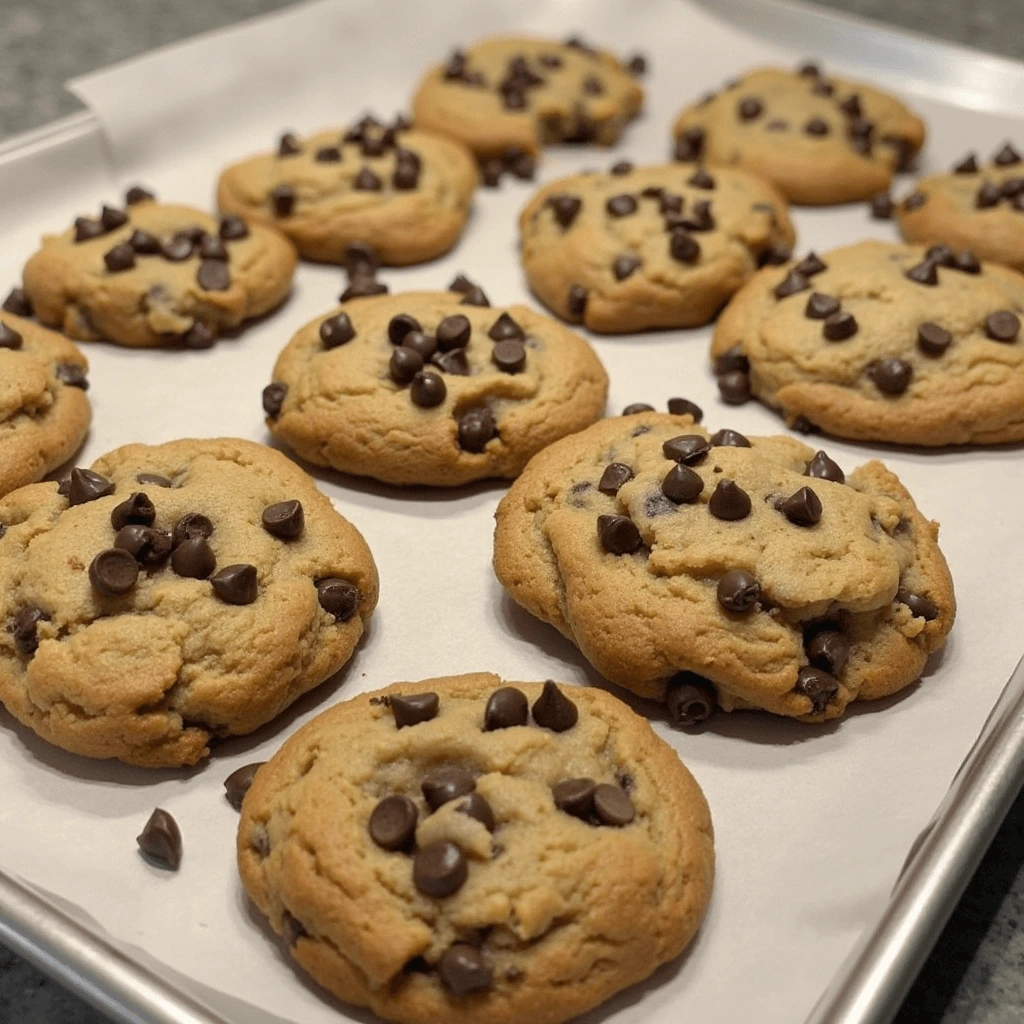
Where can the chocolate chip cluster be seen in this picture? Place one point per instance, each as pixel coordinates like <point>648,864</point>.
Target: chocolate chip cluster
<point>990,193</point>
<point>70,374</point>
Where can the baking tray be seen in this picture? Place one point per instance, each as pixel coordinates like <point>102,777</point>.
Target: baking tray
<point>849,808</point>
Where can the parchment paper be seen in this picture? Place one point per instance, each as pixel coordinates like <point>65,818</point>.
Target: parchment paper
<point>812,823</point>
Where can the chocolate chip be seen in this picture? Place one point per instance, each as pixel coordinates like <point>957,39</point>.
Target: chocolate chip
<point>425,345</point>
<point>624,266</point>
<point>273,399</point>
<point>637,64</point>
<point>621,206</point>
<point>9,337</point>
<point>476,428</point>
<point>819,306</point>
<point>282,199</point>
<point>691,700</point>
<point>840,326</point>
<point>85,485</point>
<point>111,218</point>
<point>506,707</point>
<point>235,584</point>
<point>932,339</point>
<point>193,559</point>
<point>198,336</point>
<point>192,526</point>
<point>614,476</point>
<point>701,179</point>
<point>621,168</point>
<point>373,145</point>
<point>473,294</point>
<point>553,710</point>
<point>509,356</point>
<point>775,255</point>
<point>1002,325</point>
<point>613,806</point>
<point>153,478</point>
<point>439,869</point>
<point>684,247</point>
<point>924,272</point>
<point>505,327</point>
<point>239,782</point>
<point>577,301</point>
<point>636,408</point>
<point>689,145</point>
<point>137,509</point>
<point>24,628</point>
<point>367,181</point>
<point>738,591</point>
<point>87,228</point>
<point>919,605</point>
<point>463,969</point>
<point>288,145</point>
<point>829,650</point>
<point>575,797</point>
<point>212,248</point>
<point>72,375</point>
<point>404,364</point>
<point>446,784</point>
<point>399,326</point>
<point>967,262</point>
<point>328,155</point>
<point>618,534</point>
<point>137,194</point>
<point>428,389</point>
<point>393,823</point>
<point>686,448</point>
<point>670,202</point>
<point>160,840</point>
<point>817,685</point>
<point>113,572</point>
<point>816,126</point>
<point>121,257</point>
<point>146,545</point>
<point>729,439</point>
<point>732,359</point>
<point>968,165</point>
<point>455,362</point>
<point>914,201</point>
<point>232,228</point>
<point>213,276</point>
<point>522,166</point>
<point>808,69</point>
<point>734,387</point>
<point>792,283</point>
<point>361,284</point>
<point>143,243</point>
<point>891,375</point>
<point>18,302</point>
<point>821,467</point>
<point>413,708</point>
<point>802,508</point>
<point>988,195</point>
<point>881,206</point>
<point>337,330</point>
<point>729,501</point>
<point>565,208</point>
<point>593,86</point>
<point>338,597</point>
<point>684,407</point>
<point>1007,156</point>
<point>682,485</point>
<point>292,929</point>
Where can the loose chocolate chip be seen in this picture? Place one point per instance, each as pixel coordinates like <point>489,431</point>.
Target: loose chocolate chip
<point>121,257</point>
<point>137,509</point>
<point>734,387</point>
<point>881,206</point>
<point>146,545</point>
<point>731,359</point>
<point>613,806</point>
<point>614,476</point>
<point>618,534</point>
<point>336,330</point>
<point>288,145</point>
<point>439,869</point>
<point>423,344</point>
<point>338,597</point>
<point>282,199</point>
<point>455,362</point>
<point>367,181</point>
<point>506,707</point>
<point>968,165</point>
<point>193,559</point>
<point>160,840</point>
<point>819,306</point>
<point>914,201</point>
<point>137,194</point>
<point>624,266</point>
<point>967,262</point>
<point>919,605</point>
<point>509,356</point>
<point>1007,156</point>
<point>235,584</point>
<point>18,302</point>
<point>932,339</point>
<point>113,572</point>
<point>691,700</point>
<point>817,685</point>
<point>1002,325</point>
<point>86,486</point>
<point>684,247</point>
<point>621,206</point>
<point>828,649</point>
<point>153,478</point>
<point>232,228</point>
<point>738,591</point>
<point>463,970</point>
<point>988,195</point>
<point>476,429</point>
<point>404,364</point>
<point>9,337</point>
<point>925,273</point>
<point>689,449</point>
<point>553,710</point>
<point>577,301</point>
<point>446,784</point>
<point>802,508</point>
<point>213,276</point>
<point>792,283</point>
<point>575,797</point>
<point>238,783</point>
<point>393,823</point>
<point>636,408</point>
<point>817,126</point>
<point>211,247</point>
<point>891,375</point>
<point>328,155</point>
<point>701,179</point>
<point>505,327</point>
<point>729,439</point>
<point>428,389</point>
<point>454,331</point>
<point>840,326</point>
<point>684,407</point>
<point>73,375</point>
<point>273,399</point>
<point>682,484</point>
<point>24,628</point>
<point>292,929</point>
<point>729,501</point>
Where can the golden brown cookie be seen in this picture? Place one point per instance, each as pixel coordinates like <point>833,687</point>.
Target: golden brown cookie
<point>691,568</point>
<point>510,95</point>
<point>154,274</point>
<point>976,206</point>
<point>430,388</point>
<point>407,193</point>
<point>641,247</point>
<point>44,412</point>
<point>818,139</point>
<point>882,342</point>
<point>477,852</point>
<point>173,594</point>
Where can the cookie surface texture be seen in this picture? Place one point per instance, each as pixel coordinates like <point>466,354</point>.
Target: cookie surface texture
<point>406,193</point>
<point>887,342</point>
<point>555,896</point>
<point>173,594</point>
<point>818,139</point>
<point>44,410</point>
<point>644,247</point>
<point>712,558</point>
<point>156,274</point>
<point>421,388</point>
<point>519,93</point>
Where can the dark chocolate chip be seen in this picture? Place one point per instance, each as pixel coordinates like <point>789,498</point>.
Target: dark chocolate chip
<point>635,408</point>
<point>738,591</point>
<point>149,547</point>
<point>821,467</point>
<point>731,359</point>
<point>121,257</point>
<point>235,584</point>
<point>505,327</point>
<point>522,166</point>
<point>143,243</point>
<point>399,326</point>
<point>1012,187</point>
<point>577,301</point>
<point>817,126</point>
<point>792,283</point>
<point>988,195</point>
<point>336,330</point>
<point>919,605</point>
<point>810,265</point>
<point>137,194</point>
<point>446,784</point>
<point>198,336</point>
<point>461,284</point>
<point>192,526</point>
<point>689,145</point>
<point>413,708</point>
<point>18,302</point>
<point>729,439</point>
<point>213,276</point>
<point>968,165</point>
<point>404,364</point>
<point>328,155</point>
<point>476,429</point>
<point>967,262</point>
<point>273,399</point>
<point>684,247</point>
<point>613,477</point>
<point>238,783</point>
<point>670,202</point>
<point>575,797</point>
<point>393,823</point>
<point>233,228</point>
<point>621,168</point>
<point>802,508</point>
<point>455,362</point>
<point>891,375</point>
<point>24,628</point>
<point>464,969</point>
<point>684,407</point>
<point>734,387</point>
<point>621,206</point>
<point>565,208</point>
<point>932,339</point>
<point>851,105</point>
<point>137,509</point>
<point>439,869</point>
<point>941,255</point>
<point>612,805</point>
<point>624,266</point>
<point>193,559</point>
<point>775,255</point>
<point>819,306</point>
<point>506,707</point>
<point>160,840</point>
<point>1007,156</point>
<point>373,145</point>
<point>881,206</point>
<point>212,248</point>
<point>682,484</point>
<point>749,108</point>
<point>729,501</point>
<point>282,199</point>
<point>553,710</point>
<point>86,486</point>
<point>618,534</point>
<point>829,650</point>
<point>701,179</point>
<point>73,375</point>
<point>292,929</point>
<point>361,284</point>
<point>338,597</point>
<point>840,326</point>
<point>424,345</point>
<point>509,356</point>
<point>817,685</point>
<point>288,145</point>
<point>176,248</point>
<point>113,572</point>
<point>112,218</point>
<point>9,337</point>
<point>686,448</point>
<point>691,699</point>
<point>428,389</point>
<point>1002,325</point>
<point>914,201</point>
<point>87,228</point>
<point>367,181</point>
<point>593,86</point>
<point>924,272</point>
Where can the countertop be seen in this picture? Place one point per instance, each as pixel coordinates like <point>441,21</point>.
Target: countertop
<point>975,974</point>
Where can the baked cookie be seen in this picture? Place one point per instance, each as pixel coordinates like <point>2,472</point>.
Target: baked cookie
<point>818,139</point>
<point>406,193</point>
<point>44,412</point>
<point>510,95</point>
<point>976,206</point>
<point>428,388</point>
<point>154,274</point>
<point>644,247</point>
<point>882,342</point>
<point>173,594</point>
<point>690,566</point>
<point>478,852</point>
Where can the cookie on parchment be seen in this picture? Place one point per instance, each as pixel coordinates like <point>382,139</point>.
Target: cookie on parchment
<point>155,274</point>
<point>882,342</point>
<point>432,387</point>
<point>510,95</point>
<point>642,247</point>
<point>695,567</point>
<point>976,206</point>
<point>44,411</point>
<point>469,850</point>
<point>173,594</point>
<point>407,193</point>
<point>817,138</point>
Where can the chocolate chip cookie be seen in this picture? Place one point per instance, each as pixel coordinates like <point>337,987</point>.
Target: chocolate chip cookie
<point>407,193</point>
<point>432,387</point>
<point>882,342</point>
<point>641,247</point>
<point>698,568</point>
<point>507,96</point>
<point>817,138</point>
<point>976,206</point>
<point>154,274</point>
<point>173,594</point>
<point>469,850</point>
<point>44,411</point>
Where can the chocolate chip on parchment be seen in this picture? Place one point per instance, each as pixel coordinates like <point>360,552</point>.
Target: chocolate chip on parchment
<point>967,165</point>
<point>817,685</point>
<point>73,375</point>
<point>239,782</point>
<point>734,387</point>
<point>808,69</point>
<point>729,439</point>
<point>121,257</point>
<point>614,476</point>
<point>282,199</point>
<point>925,273</point>
<point>85,485</point>
<point>637,64</point>
<point>891,375</point>
<point>624,266</point>
<point>463,969</point>
<point>919,605</point>
<point>829,650</point>
<point>235,584</point>
<point>233,228</point>
<point>881,206</point>
<point>612,805</point>
<point>691,699</point>
<point>506,707</point>
<point>338,597</point>
<point>932,339</point>
<point>621,168</point>
<point>273,399</point>
<point>137,194</point>
<point>439,869</point>
<point>18,302</point>
<point>428,389</point>
<point>113,572</point>
<point>193,559</point>
<point>476,428</point>
<point>137,509</point>
<point>9,337</point>
<point>802,508</point>
<point>738,591</point>
<point>393,823</point>
<point>820,306</point>
<point>160,840</point>
<point>839,326</point>
<point>682,485</point>
<point>553,710</point>
<point>1002,325</point>
<point>148,546</point>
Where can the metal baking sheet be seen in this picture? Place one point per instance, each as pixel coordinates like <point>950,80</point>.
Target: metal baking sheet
<point>814,824</point>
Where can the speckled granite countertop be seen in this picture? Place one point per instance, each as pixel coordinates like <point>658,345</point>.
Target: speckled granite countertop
<point>976,973</point>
